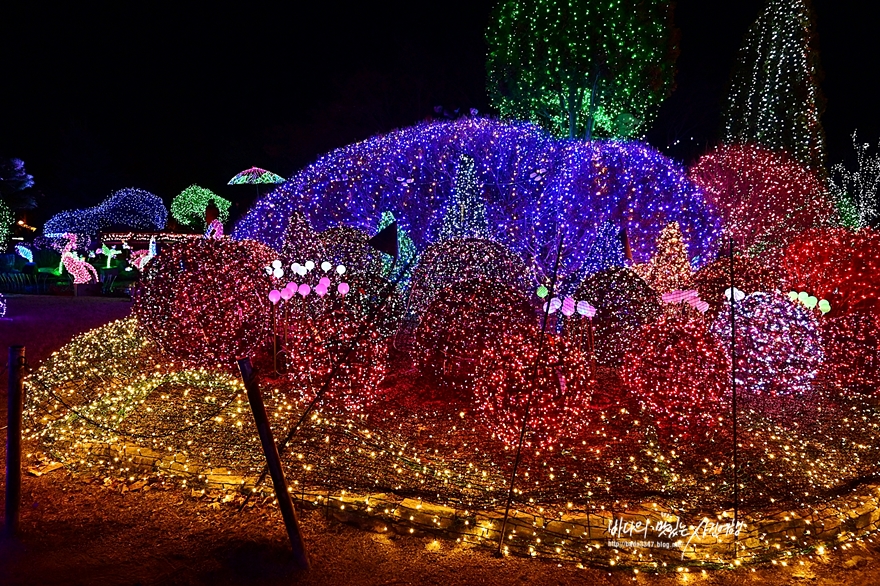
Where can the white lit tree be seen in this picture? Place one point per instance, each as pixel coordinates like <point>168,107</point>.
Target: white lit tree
<point>855,192</point>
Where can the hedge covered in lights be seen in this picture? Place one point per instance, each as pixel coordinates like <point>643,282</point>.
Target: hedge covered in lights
<point>130,208</point>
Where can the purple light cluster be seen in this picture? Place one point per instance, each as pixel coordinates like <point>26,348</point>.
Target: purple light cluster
<point>132,208</point>
<point>535,188</point>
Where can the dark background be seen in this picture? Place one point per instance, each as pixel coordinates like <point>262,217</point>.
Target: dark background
<point>160,96</point>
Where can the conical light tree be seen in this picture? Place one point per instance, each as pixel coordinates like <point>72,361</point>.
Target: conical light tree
<point>775,100</point>
<point>465,215</point>
<point>669,269</point>
<point>582,67</point>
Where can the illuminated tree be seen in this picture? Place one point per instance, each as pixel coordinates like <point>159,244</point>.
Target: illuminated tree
<point>188,208</point>
<point>678,372</point>
<point>6,219</point>
<point>750,275</point>
<point>465,215</point>
<point>301,243</point>
<point>606,252</point>
<point>14,185</point>
<point>669,269</point>
<point>623,302</point>
<point>855,192</point>
<point>838,265</point>
<point>852,353</point>
<point>775,100</point>
<point>460,325</point>
<point>583,67</point>
<point>206,301</point>
<point>553,382</point>
<point>763,198</point>
<point>461,260</point>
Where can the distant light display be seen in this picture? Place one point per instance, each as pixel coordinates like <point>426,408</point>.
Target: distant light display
<point>205,301</point>
<point>189,206</point>
<point>778,344</point>
<point>255,176</point>
<point>582,186</point>
<point>131,208</point>
<point>838,265</point>
<point>763,197</point>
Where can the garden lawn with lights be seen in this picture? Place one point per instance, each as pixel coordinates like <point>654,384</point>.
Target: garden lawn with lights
<point>647,356</point>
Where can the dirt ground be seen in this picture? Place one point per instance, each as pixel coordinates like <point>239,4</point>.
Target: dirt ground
<point>81,529</point>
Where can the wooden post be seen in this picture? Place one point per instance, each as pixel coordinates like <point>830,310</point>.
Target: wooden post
<point>13,440</point>
<point>285,503</point>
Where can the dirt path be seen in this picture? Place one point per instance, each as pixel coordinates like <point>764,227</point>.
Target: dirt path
<point>88,530</point>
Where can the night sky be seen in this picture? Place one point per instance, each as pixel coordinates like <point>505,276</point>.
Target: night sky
<point>154,96</point>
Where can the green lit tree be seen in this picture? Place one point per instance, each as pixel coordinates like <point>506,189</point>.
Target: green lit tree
<point>465,215</point>
<point>582,67</point>
<point>188,208</point>
<point>775,100</point>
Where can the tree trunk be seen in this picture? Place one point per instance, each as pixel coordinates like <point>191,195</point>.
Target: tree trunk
<point>592,111</point>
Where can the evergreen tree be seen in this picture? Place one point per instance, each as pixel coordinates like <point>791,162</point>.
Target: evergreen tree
<point>465,215</point>
<point>775,100</point>
<point>582,67</point>
<point>605,252</point>
<point>669,269</point>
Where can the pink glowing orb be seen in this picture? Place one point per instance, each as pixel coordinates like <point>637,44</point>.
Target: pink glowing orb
<point>320,289</point>
<point>304,290</point>
<point>286,294</point>
<point>292,286</point>
<point>274,296</point>
<point>325,282</point>
<point>343,288</point>
<point>585,309</point>
<point>568,306</point>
